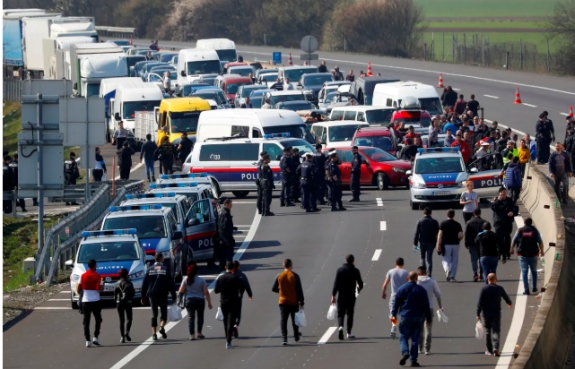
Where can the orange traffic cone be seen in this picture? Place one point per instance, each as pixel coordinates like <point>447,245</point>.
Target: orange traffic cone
<point>131,41</point>
<point>440,84</point>
<point>517,96</point>
<point>369,71</point>
<point>571,111</point>
<point>290,61</point>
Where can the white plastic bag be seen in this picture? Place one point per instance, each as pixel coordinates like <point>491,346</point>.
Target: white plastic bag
<point>479,331</point>
<point>441,316</point>
<point>174,314</point>
<point>104,177</point>
<point>332,312</point>
<point>300,319</point>
<point>220,315</point>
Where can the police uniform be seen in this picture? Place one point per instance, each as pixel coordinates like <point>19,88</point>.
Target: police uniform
<point>158,283</point>
<point>14,166</point>
<point>318,161</point>
<point>267,184</point>
<point>8,185</point>
<point>286,175</point>
<point>295,190</point>
<point>306,170</point>
<point>544,132</point>
<point>336,194</point>
<point>259,184</point>
<point>355,176</point>
<point>328,181</point>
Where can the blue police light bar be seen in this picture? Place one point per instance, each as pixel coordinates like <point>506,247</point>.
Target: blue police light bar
<point>176,176</point>
<point>134,207</point>
<point>438,149</point>
<point>172,185</point>
<point>273,135</point>
<point>113,232</point>
<point>151,195</point>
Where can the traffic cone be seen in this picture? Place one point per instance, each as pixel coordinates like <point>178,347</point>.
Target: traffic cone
<point>440,84</point>
<point>517,96</point>
<point>131,41</point>
<point>571,111</point>
<point>369,71</point>
<point>290,61</point>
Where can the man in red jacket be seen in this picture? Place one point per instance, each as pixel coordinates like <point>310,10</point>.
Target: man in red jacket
<point>463,147</point>
<point>89,287</point>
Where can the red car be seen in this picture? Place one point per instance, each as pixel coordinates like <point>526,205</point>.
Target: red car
<point>419,119</point>
<point>380,137</point>
<point>231,83</point>
<point>380,169</point>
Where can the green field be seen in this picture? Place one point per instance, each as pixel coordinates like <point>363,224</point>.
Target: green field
<point>486,8</point>
<point>538,39</point>
<point>456,23</point>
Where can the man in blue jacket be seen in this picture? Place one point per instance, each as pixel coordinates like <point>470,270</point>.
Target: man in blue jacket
<point>413,304</point>
<point>513,178</point>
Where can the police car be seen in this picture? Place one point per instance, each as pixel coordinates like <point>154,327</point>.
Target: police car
<point>232,162</point>
<point>194,191</point>
<point>439,175</point>
<point>113,250</point>
<point>199,178</point>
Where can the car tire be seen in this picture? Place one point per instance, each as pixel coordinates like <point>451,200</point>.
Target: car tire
<point>240,194</point>
<point>218,190</point>
<point>382,181</point>
<point>414,206</point>
<point>74,304</point>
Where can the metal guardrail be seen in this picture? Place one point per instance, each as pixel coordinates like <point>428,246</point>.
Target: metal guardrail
<point>59,245</point>
<point>77,192</point>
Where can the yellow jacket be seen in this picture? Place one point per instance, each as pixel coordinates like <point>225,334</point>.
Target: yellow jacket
<point>524,155</point>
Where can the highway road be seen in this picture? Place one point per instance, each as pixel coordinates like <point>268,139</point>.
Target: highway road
<point>375,231</point>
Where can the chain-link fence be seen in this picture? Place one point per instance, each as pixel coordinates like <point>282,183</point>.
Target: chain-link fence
<point>12,89</point>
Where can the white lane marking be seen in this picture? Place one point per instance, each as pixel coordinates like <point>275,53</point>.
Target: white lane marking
<point>58,299</point>
<point>326,335</point>
<point>491,96</point>
<point>383,225</point>
<point>51,308</point>
<point>564,114</point>
<point>530,105</point>
<point>379,201</point>
<point>144,345</point>
<point>519,222</point>
<point>376,255</point>
<point>244,202</point>
<point>138,166</point>
<point>65,291</point>
<point>455,89</point>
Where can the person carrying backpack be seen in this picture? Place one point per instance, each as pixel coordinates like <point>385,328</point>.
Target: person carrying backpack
<point>123,295</point>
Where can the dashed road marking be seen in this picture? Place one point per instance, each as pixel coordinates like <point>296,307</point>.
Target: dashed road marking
<point>530,105</point>
<point>59,300</point>
<point>491,96</point>
<point>383,225</point>
<point>51,308</point>
<point>564,114</point>
<point>379,201</point>
<point>376,255</point>
<point>326,335</point>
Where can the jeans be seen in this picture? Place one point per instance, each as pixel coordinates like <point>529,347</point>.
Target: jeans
<point>491,329</point>
<point>426,260</point>
<point>425,339</point>
<point>410,329</point>
<point>229,309</point>
<point>489,265</point>
<point>162,304</point>
<point>450,259</point>
<point>287,311</point>
<point>345,306</point>
<point>90,308</point>
<point>474,254</point>
<point>149,168</point>
<point>526,264</point>
<point>194,305</point>
<point>127,309</point>
<point>562,178</point>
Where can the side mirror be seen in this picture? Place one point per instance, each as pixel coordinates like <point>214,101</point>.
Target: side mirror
<point>194,222</point>
<point>474,170</point>
<point>69,263</point>
<point>183,73</point>
<point>177,235</point>
<point>117,116</point>
<point>408,173</point>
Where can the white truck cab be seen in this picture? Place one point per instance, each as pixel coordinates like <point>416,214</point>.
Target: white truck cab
<point>131,98</point>
<point>193,63</point>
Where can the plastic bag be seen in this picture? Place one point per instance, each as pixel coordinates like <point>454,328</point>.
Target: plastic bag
<point>300,320</point>
<point>220,315</point>
<point>441,316</point>
<point>479,331</point>
<point>332,312</point>
<point>104,177</point>
<point>174,314</point>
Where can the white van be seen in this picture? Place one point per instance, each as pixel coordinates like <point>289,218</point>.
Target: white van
<point>131,98</point>
<point>225,48</point>
<point>108,88</point>
<point>193,63</point>
<point>250,123</point>
<point>374,115</point>
<point>336,134</point>
<point>391,94</point>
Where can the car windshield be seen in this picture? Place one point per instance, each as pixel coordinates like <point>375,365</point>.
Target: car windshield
<point>227,55</point>
<point>256,100</point>
<point>108,251</point>
<point>203,67</point>
<point>218,96</point>
<point>270,77</point>
<point>378,155</point>
<point>380,116</point>
<point>295,74</point>
<point>279,98</point>
<point>439,165</point>
<point>432,105</point>
<point>329,97</point>
<point>245,71</point>
<point>421,121</point>
<point>304,105</point>
<point>381,142</point>
<point>93,89</point>
<point>149,66</point>
<point>301,145</point>
<point>246,91</point>
<point>233,87</point>
<point>131,107</point>
<point>132,60</point>
<point>165,58</point>
<point>150,226</point>
<point>342,133</point>
<point>184,121</point>
<point>295,131</point>
<point>317,80</point>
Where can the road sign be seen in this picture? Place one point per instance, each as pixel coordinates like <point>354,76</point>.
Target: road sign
<point>73,114</point>
<point>308,57</point>
<point>59,87</point>
<point>277,57</point>
<point>309,44</point>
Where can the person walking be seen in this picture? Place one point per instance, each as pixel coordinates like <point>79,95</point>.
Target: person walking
<point>490,249</point>
<point>89,288</point>
<point>259,201</point>
<point>99,167</point>
<point>194,291</point>
<point>355,174</point>
<point>7,184</point>
<point>267,184</point>
<point>305,171</point>
<point>504,212</point>
<point>544,135</point>
<point>286,175</point>
<point>489,305</point>
<point>125,161</point>
<point>226,230</point>
<point>412,303</point>
<point>397,277</point>
<point>319,160</point>
<point>347,280</point>
<point>470,201</point>
<point>245,288</point>
<point>514,178</point>
<point>158,283</point>
<point>472,228</point>
<point>124,295</point>
<point>426,232</point>
<point>335,177</point>
<point>147,154</point>
<point>165,154</point>
<point>560,169</point>
<point>529,246</point>
<point>71,173</point>
<point>229,286</point>
<point>450,234</point>
<point>185,147</point>
<point>432,289</point>
<point>120,136</point>
<point>288,285</point>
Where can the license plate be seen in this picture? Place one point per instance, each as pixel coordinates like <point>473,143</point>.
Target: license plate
<point>109,288</point>
<point>441,193</point>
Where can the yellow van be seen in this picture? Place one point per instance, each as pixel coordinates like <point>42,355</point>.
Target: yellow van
<point>178,115</point>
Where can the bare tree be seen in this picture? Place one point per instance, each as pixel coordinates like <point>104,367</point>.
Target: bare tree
<point>563,30</point>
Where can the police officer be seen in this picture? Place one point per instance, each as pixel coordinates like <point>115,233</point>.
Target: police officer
<point>158,283</point>
<point>14,166</point>
<point>305,172</point>
<point>71,173</point>
<point>259,182</point>
<point>319,161</point>
<point>328,181</point>
<point>286,175</point>
<point>120,136</point>
<point>295,190</point>
<point>504,212</point>
<point>267,185</point>
<point>335,176</point>
<point>545,133</point>
<point>8,183</point>
<point>355,174</point>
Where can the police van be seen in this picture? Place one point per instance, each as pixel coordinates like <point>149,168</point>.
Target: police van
<point>439,175</point>
<point>199,178</point>
<point>232,162</point>
<point>194,191</point>
<point>113,250</point>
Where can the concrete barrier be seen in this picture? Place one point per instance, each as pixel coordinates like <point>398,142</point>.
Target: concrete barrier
<point>548,343</point>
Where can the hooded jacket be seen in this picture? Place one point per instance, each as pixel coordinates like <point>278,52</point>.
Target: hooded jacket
<point>431,287</point>
<point>489,244</point>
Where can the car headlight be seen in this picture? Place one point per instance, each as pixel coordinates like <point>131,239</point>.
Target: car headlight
<point>461,184</point>
<point>75,277</point>
<point>137,275</point>
<point>167,254</point>
<point>418,185</point>
<point>398,170</point>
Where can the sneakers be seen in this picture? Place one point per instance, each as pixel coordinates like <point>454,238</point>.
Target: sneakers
<point>163,333</point>
<point>298,337</point>
<point>95,341</point>
<point>452,279</point>
<point>487,353</point>
<point>88,344</point>
<point>350,336</point>
<point>229,345</point>
<point>128,338</point>
<point>154,337</point>
<point>535,290</point>
<point>403,359</point>
<point>475,278</point>
<point>481,278</point>
<point>236,333</point>
<point>448,275</point>
<point>526,292</point>
<point>415,363</point>
<point>123,339</point>
<point>496,353</point>
<point>340,335</point>
<point>284,343</point>
<point>393,331</point>
<point>427,352</point>
<point>268,214</point>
